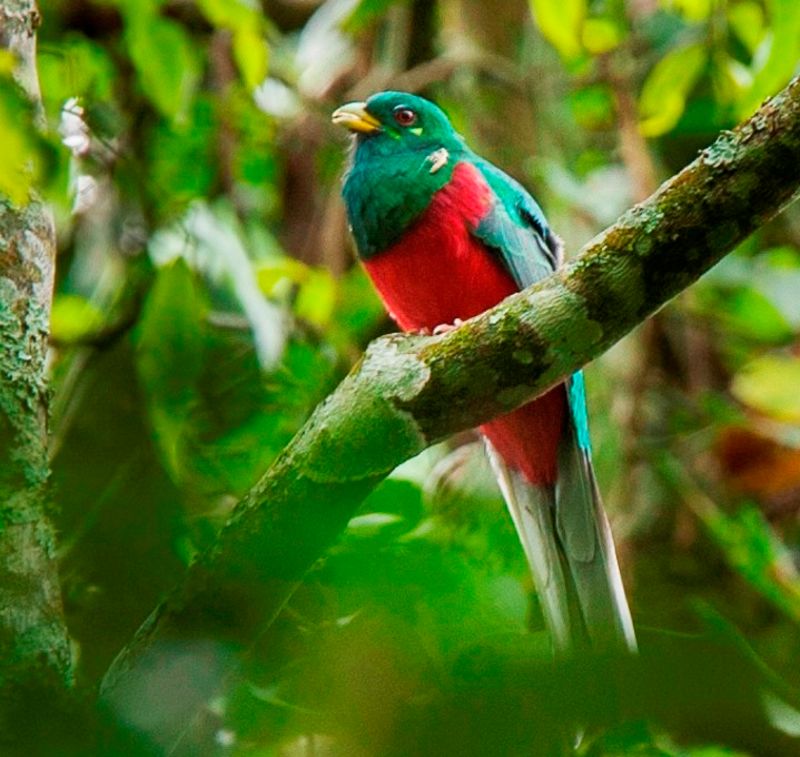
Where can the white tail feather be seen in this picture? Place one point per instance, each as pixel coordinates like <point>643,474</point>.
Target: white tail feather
<point>570,551</point>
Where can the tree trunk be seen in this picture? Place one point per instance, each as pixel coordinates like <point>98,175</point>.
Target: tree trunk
<point>34,646</point>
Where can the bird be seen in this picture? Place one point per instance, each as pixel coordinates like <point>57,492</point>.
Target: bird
<point>444,235</point>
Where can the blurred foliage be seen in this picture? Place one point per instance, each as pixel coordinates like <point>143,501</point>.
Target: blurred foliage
<point>207,299</point>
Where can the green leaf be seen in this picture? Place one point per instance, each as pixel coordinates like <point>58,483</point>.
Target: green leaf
<point>754,550</point>
<point>666,88</point>
<point>230,14</point>
<point>170,354</point>
<point>317,298</point>
<point>365,12</point>
<point>250,54</point>
<point>781,60</point>
<point>745,311</point>
<point>165,61</point>
<point>692,10</point>
<point>73,317</point>
<point>746,19</point>
<point>771,385</point>
<point>561,24</point>
<point>75,67</point>
<point>359,312</point>
<point>601,35</point>
<point>21,164</point>
<point>219,418</point>
<point>119,515</point>
<point>756,296</point>
<point>246,22</point>
<point>593,106</point>
<point>182,158</point>
<point>273,274</point>
<point>242,417</point>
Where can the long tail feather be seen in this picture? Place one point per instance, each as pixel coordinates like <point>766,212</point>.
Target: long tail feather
<point>567,541</point>
<point>531,510</point>
<point>585,535</point>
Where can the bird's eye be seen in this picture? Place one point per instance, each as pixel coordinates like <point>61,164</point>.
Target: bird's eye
<point>405,116</point>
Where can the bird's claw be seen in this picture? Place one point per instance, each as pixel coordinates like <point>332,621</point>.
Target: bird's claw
<point>443,328</point>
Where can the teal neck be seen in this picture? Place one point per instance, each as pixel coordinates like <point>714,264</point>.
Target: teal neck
<point>386,190</point>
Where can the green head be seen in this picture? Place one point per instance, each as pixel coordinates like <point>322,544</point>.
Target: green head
<point>405,150</point>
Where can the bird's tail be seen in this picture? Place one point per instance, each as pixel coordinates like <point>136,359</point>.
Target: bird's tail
<point>569,547</point>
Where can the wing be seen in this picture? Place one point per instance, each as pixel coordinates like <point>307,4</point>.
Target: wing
<point>516,230</point>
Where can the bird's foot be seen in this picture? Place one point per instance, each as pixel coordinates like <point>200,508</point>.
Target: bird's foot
<point>443,328</point>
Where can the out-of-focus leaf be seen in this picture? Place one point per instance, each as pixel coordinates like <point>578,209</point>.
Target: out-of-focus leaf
<point>77,67</point>
<point>365,12</point>
<point>667,86</point>
<point>601,35</point>
<point>772,276</point>
<point>358,313</point>
<point>771,385</point>
<point>277,99</point>
<point>8,62</point>
<point>242,417</point>
<point>170,355</point>
<point>370,525</point>
<point>219,419</point>
<point>317,298</point>
<point>754,550</point>
<point>250,54</point>
<point>272,274</point>
<point>691,10</point>
<point>119,515</point>
<point>731,79</point>
<point>593,106</point>
<point>778,276</point>
<point>73,317</point>
<point>231,14</point>
<point>246,21</point>
<point>745,311</point>
<point>746,18</point>
<point>21,164</point>
<point>165,59</point>
<point>561,23</point>
<point>183,159</point>
<point>213,241</point>
<point>397,497</point>
<point>462,494</point>
<point>783,52</point>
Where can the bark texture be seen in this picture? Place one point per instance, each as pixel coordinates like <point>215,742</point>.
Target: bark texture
<point>409,392</point>
<point>34,646</point>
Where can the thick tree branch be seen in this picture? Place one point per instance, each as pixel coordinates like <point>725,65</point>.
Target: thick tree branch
<point>409,392</point>
<point>34,646</point>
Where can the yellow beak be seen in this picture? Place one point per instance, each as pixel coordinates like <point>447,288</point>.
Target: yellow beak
<point>354,116</point>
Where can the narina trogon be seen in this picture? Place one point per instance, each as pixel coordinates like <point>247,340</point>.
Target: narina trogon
<point>445,235</point>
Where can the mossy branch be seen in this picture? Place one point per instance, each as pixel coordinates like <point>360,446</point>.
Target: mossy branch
<point>411,391</point>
